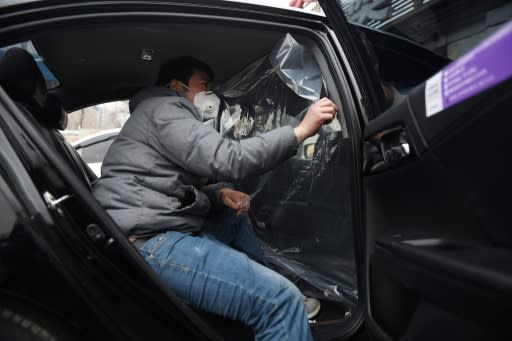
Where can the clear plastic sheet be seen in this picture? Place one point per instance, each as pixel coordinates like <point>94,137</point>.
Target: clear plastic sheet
<point>302,210</point>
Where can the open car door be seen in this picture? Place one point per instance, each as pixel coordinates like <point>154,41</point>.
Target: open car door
<point>436,235</point>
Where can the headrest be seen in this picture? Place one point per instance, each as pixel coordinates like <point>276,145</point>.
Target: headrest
<point>21,79</point>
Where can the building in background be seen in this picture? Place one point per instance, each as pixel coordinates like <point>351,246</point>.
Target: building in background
<point>449,27</point>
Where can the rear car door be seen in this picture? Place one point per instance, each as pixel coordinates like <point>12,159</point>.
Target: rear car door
<point>436,240</point>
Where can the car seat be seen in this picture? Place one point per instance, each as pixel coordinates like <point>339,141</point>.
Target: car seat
<point>21,79</point>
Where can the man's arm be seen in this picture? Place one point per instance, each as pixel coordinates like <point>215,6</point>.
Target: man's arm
<point>322,112</point>
<point>201,150</point>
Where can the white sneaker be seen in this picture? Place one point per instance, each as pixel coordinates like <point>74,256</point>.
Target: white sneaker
<point>312,306</point>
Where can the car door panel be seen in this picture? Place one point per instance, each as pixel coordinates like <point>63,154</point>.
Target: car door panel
<point>440,221</point>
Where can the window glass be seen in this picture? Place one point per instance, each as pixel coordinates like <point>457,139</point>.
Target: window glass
<point>92,130</point>
<point>96,119</point>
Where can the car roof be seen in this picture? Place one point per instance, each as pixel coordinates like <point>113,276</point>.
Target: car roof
<point>110,55</point>
<point>105,62</point>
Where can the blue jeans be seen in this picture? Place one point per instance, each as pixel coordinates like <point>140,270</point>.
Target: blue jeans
<point>214,277</point>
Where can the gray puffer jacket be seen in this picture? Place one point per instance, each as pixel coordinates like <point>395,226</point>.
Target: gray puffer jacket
<point>155,173</point>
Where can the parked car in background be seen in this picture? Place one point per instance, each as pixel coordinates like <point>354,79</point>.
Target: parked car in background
<point>93,148</point>
<point>396,217</point>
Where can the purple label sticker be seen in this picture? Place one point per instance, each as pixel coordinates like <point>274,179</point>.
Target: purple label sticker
<point>486,65</point>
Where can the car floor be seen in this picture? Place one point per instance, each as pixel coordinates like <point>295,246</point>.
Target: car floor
<point>330,322</point>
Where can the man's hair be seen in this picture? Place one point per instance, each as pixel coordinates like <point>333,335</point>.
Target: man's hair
<point>182,69</point>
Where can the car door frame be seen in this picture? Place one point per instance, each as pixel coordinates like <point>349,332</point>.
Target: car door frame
<point>369,104</point>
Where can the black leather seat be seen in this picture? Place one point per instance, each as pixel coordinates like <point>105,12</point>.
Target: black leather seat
<point>24,83</point>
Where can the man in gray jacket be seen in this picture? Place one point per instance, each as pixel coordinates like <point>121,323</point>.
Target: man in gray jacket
<point>155,185</point>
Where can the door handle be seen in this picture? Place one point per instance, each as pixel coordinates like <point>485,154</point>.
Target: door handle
<point>386,149</point>
<point>395,146</point>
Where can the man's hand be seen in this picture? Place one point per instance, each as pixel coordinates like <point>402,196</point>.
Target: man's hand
<point>238,201</point>
<point>319,113</point>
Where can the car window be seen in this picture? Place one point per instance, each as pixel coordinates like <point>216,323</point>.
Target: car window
<point>92,121</point>
<point>92,130</point>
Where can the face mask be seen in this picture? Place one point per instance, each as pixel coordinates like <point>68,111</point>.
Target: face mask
<point>207,102</point>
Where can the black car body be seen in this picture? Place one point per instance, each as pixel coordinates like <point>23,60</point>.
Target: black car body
<point>425,197</point>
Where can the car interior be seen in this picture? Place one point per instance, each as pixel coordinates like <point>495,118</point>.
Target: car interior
<point>95,62</point>
<point>303,212</point>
